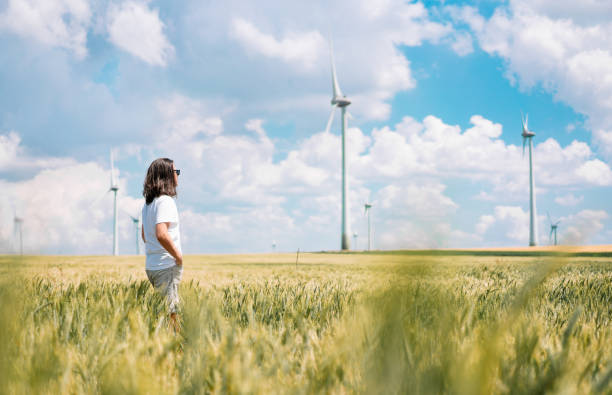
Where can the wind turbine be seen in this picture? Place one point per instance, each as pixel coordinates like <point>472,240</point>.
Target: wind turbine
<point>533,225</point>
<point>367,207</point>
<point>355,240</point>
<point>136,221</point>
<point>340,101</point>
<point>553,228</point>
<point>114,188</point>
<point>18,227</point>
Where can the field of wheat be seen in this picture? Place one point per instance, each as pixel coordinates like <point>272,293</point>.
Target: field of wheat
<point>320,323</point>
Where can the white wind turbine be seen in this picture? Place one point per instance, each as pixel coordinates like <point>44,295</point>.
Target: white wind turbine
<point>136,221</point>
<point>533,224</point>
<point>553,229</point>
<point>367,207</point>
<point>18,231</point>
<point>340,101</point>
<point>114,187</point>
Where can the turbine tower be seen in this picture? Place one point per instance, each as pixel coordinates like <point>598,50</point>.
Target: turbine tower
<point>136,221</point>
<point>114,188</point>
<point>533,224</point>
<point>367,207</point>
<point>553,229</point>
<point>18,223</point>
<point>340,101</point>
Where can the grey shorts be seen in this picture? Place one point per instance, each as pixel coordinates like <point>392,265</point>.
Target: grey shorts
<point>166,282</point>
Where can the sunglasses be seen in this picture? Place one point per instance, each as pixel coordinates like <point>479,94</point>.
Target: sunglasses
<point>178,172</point>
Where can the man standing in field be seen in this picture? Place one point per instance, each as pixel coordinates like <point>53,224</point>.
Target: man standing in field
<point>160,232</point>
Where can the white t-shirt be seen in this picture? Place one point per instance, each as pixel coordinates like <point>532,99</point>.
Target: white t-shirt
<point>161,209</point>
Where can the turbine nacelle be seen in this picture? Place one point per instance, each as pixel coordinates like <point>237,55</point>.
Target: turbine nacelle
<point>340,101</point>
<point>527,134</point>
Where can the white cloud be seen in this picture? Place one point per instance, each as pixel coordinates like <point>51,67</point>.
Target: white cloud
<point>462,44</point>
<point>371,67</point>
<point>9,148</point>
<point>580,228</point>
<point>478,153</point>
<point>595,172</point>
<point>484,223</point>
<point>413,215</point>
<point>565,47</point>
<point>57,23</point>
<point>138,30</point>
<point>66,210</point>
<point>569,200</point>
<point>301,49</point>
<point>15,158</point>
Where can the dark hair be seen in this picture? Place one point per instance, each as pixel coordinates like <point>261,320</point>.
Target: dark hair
<point>159,180</point>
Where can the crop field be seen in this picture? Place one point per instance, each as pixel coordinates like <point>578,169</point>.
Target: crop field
<point>330,323</point>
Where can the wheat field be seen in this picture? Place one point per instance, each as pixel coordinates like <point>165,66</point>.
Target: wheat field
<point>321,323</point>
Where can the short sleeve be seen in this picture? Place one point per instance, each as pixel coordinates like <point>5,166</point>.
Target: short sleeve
<point>166,210</point>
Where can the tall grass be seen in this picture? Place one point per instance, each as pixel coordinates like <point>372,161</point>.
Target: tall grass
<point>518,326</point>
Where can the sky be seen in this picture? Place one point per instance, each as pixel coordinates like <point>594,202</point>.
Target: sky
<point>238,95</point>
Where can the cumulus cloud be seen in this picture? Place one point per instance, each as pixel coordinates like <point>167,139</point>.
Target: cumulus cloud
<point>561,46</point>
<point>16,158</point>
<point>434,148</point>
<point>569,200</point>
<point>138,30</point>
<point>57,23</point>
<point>66,210</point>
<point>301,49</point>
<point>581,227</point>
<point>368,60</point>
<point>513,222</point>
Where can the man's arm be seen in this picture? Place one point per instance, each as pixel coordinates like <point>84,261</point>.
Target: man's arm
<point>143,238</point>
<point>161,232</point>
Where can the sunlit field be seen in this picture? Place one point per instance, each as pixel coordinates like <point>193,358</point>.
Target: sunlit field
<point>320,323</point>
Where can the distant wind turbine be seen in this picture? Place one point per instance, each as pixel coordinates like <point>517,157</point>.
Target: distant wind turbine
<point>367,207</point>
<point>533,225</point>
<point>136,221</point>
<point>18,230</point>
<point>340,101</point>
<point>553,229</point>
<point>114,187</point>
<point>355,235</point>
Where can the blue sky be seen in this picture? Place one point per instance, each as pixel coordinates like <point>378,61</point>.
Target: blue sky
<point>239,95</point>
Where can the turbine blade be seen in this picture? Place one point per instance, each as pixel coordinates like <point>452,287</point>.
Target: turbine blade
<point>524,140</point>
<point>331,118</point>
<point>526,121</point>
<point>523,121</point>
<point>335,86</point>
<point>112,162</point>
